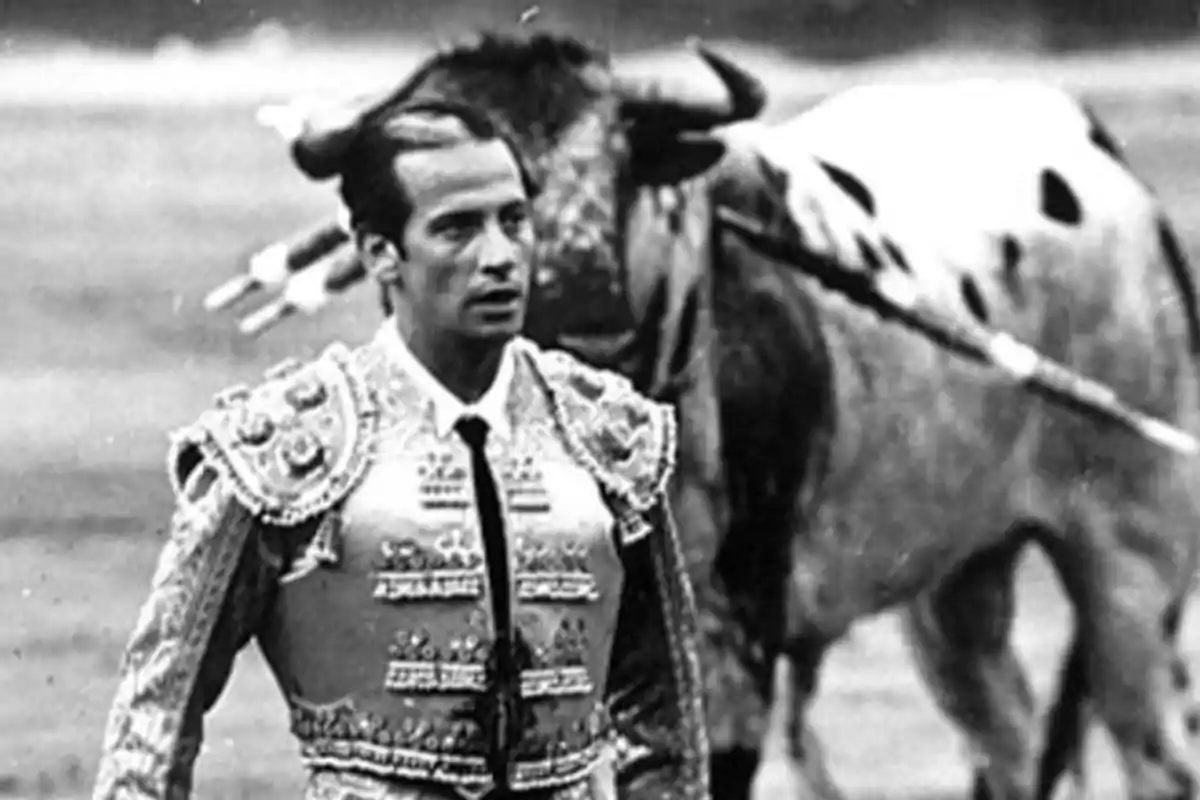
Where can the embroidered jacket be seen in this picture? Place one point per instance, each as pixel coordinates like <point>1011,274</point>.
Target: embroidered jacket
<point>324,515</point>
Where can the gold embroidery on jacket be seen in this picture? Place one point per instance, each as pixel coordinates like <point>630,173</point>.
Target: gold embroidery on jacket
<point>443,484</point>
<point>419,666</point>
<point>560,670</point>
<point>452,569</point>
<point>143,737</point>
<point>525,486</point>
<point>554,570</point>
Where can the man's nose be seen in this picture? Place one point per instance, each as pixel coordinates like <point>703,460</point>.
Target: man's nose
<point>497,252</point>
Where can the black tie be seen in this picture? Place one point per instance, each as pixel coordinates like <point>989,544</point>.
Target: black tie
<point>474,431</point>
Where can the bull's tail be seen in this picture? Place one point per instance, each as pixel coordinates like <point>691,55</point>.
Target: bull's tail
<point>1185,281</point>
<point>1172,251</point>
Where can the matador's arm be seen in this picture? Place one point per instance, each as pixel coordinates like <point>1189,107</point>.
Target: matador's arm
<point>254,478</point>
<point>207,593</point>
<point>655,692</point>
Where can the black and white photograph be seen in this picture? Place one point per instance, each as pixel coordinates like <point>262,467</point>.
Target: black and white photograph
<point>571,400</point>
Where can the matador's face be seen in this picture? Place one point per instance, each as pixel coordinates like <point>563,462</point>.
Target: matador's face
<point>468,246</point>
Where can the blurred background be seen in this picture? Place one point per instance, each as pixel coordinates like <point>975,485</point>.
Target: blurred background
<point>135,179</point>
<point>834,29</point>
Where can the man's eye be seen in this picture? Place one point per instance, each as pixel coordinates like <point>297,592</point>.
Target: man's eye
<point>455,232</point>
<point>514,220</point>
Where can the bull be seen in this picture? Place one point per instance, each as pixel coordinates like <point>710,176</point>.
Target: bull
<point>810,494</point>
<point>1050,204</point>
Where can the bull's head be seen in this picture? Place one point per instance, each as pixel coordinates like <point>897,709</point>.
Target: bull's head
<point>591,137</point>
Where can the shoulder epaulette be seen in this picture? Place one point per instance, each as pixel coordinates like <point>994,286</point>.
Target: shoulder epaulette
<point>291,447</point>
<point>624,438</point>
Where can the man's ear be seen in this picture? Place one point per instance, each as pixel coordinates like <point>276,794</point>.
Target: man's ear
<point>380,256</point>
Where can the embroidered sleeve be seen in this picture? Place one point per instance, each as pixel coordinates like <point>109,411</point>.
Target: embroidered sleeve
<point>208,592</point>
<point>655,691</point>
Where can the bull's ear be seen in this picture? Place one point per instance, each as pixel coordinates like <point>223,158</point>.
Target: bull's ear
<point>669,160</point>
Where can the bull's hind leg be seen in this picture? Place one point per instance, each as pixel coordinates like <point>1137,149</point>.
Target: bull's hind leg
<point>1067,726</point>
<point>960,636</point>
<point>1070,714</point>
<point>1124,589</point>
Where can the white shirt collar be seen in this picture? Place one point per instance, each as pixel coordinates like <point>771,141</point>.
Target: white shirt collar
<point>492,407</point>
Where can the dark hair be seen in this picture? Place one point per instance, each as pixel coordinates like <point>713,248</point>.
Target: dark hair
<point>371,188</point>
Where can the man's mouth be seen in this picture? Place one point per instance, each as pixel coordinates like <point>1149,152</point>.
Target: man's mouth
<point>497,297</point>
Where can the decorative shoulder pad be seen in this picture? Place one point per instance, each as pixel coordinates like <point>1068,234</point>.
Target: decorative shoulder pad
<point>624,438</point>
<point>291,447</point>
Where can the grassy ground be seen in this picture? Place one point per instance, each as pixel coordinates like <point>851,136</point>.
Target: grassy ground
<point>115,220</point>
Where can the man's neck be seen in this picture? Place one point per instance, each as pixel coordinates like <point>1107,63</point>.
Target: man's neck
<point>466,368</point>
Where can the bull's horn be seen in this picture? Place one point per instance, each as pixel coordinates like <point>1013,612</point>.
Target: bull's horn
<point>744,97</point>
<point>747,94</point>
<point>327,133</point>
<point>322,136</point>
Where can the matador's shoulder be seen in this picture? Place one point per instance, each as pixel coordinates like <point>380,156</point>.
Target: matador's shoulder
<point>628,438</point>
<point>290,447</point>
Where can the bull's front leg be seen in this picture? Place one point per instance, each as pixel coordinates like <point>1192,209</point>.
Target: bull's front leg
<point>792,764</point>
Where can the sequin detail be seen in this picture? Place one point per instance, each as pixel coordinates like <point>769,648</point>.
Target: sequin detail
<point>451,569</point>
